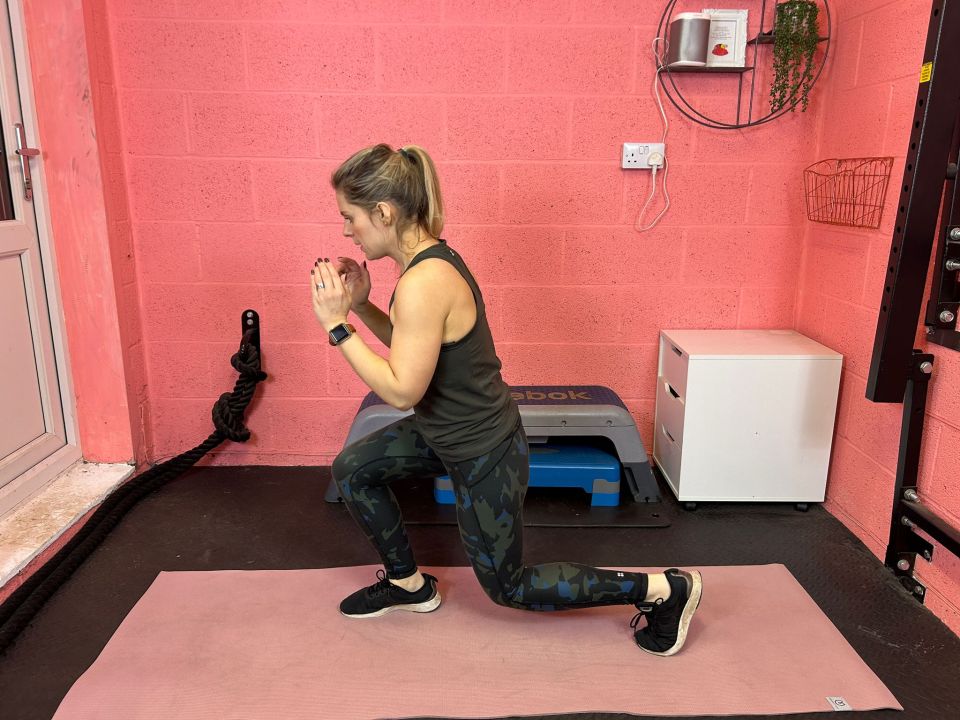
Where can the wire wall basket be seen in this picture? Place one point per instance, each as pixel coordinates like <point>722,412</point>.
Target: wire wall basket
<point>848,191</point>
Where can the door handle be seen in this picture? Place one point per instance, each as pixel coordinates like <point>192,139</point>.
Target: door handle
<point>25,154</point>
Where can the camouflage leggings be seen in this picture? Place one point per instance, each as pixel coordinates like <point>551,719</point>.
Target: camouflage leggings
<point>490,491</point>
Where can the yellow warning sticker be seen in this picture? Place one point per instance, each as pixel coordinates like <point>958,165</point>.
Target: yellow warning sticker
<point>926,72</point>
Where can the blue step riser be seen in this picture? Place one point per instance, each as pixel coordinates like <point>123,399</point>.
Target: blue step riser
<point>568,467</point>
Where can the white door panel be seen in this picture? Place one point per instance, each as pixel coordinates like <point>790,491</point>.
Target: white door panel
<point>21,420</point>
<point>32,427</point>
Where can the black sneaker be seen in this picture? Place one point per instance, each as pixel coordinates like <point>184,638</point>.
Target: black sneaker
<point>668,620</point>
<point>383,597</point>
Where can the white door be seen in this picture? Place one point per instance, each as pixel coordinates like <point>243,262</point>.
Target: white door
<point>32,414</point>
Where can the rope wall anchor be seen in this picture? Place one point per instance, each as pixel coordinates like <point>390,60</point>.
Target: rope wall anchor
<point>228,416</point>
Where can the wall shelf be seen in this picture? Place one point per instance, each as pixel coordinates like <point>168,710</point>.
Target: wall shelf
<point>766,38</point>
<point>747,94</point>
<point>695,69</point>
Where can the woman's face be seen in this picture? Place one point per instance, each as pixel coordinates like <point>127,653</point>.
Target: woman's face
<point>365,229</point>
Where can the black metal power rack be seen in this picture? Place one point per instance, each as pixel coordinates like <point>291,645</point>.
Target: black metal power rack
<point>898,372</point>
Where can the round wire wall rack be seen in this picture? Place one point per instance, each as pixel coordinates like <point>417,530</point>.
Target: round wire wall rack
<point>666,74</point>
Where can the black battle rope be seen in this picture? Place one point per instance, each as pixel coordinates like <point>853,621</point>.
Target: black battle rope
<point>17,611</point>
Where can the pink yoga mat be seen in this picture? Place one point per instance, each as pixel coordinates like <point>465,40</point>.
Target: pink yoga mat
<point>271,644</point>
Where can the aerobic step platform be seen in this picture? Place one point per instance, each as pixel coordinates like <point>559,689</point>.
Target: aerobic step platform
<point>554,466</point>
<point>547,412</point>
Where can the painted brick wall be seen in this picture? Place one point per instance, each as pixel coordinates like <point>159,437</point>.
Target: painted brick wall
<point>126,278</point>
<point>232,115</point>
<point>868,108</point>
<point>91,243</point>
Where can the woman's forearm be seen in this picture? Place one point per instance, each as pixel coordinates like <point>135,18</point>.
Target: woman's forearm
<point>377,320</point>
<point>376,372</point>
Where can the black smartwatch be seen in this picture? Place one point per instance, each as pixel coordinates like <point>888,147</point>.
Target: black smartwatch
<point>341,332</point>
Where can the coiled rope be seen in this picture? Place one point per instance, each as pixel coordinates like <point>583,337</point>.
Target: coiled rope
<point>17,611</point>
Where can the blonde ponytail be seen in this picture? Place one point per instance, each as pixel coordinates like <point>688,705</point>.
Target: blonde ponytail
<point>432,216</point>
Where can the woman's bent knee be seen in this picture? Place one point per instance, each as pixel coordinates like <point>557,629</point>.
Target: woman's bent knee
<point>498,593</point>
<point>342,470</point>
<point>498,597</point>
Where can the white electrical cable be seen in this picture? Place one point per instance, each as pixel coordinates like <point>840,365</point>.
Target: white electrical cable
<point>643,210</point>
<point>666,195</point>
<point>666,125</point>
<point>656,84</point>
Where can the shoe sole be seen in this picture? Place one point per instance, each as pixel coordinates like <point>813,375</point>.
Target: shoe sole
<point>693,602</point>
<point>424,607</point>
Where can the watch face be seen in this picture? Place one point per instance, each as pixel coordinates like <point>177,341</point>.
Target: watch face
<point>339,334</point>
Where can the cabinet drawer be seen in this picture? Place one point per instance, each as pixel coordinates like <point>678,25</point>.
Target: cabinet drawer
<point>673,366</point>
<point>667,453</point>
<point>670,409</point>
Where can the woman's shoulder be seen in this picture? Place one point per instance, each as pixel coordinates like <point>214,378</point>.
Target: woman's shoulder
<point>432,276</point>
<point>428,270</point>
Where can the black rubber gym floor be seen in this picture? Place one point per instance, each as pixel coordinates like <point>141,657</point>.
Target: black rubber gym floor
<point>276,518</point>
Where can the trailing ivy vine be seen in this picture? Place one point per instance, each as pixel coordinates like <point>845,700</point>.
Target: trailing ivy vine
<point>795,34</point>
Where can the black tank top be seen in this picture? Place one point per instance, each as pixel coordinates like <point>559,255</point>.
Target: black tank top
<point>467,409</point>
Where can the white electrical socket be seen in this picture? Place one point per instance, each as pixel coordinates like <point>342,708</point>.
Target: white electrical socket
<point>642,156</point>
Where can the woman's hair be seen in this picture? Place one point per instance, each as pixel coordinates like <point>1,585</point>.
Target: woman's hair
<point>407,178</point>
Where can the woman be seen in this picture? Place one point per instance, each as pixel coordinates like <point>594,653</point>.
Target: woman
<point>442,363</point>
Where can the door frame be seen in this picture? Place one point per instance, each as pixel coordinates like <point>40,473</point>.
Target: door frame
<point>30,482</point>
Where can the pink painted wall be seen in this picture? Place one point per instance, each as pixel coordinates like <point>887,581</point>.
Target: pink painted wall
<point>868,105</point>
<point>126,277</point>
<point>233,114</point>
<point>88,263</point>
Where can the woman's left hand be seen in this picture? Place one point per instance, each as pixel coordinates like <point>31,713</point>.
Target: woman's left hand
<point>331,299</point>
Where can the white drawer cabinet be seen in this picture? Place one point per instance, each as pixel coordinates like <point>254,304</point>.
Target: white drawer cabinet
<point>745,415</point>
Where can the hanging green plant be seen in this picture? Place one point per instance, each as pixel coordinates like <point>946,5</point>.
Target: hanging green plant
<point>795,36</point>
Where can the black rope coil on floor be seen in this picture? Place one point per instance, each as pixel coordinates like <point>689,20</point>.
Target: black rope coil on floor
<point>17,611</point>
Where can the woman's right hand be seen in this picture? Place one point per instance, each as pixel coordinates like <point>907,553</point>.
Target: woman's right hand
<point>356,278</point>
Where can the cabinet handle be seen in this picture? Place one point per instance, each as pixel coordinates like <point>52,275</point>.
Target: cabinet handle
<point>672,391</point>
<point>667,433</point>
<point>677,350</point>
